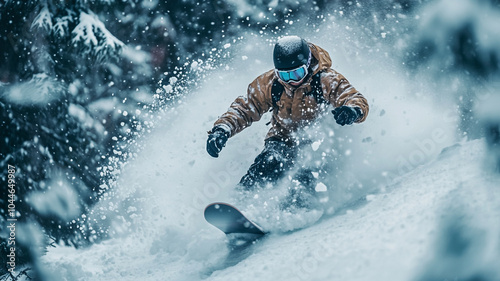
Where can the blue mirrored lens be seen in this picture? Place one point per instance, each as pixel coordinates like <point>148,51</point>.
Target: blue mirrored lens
<point>295,75</point>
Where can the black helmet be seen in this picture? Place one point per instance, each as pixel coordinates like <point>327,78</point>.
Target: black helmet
<point>291,52</point>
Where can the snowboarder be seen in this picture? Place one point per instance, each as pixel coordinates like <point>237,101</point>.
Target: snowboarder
<point>294,91</point>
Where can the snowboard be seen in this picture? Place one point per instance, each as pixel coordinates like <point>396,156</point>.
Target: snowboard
<point>231,221</point>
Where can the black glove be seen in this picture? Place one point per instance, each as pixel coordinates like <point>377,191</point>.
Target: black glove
<point>216,141</point>
<point>346,115</point>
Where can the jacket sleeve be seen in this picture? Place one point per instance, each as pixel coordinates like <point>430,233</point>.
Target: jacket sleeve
<point>247,109</point>
<point>340,92</point>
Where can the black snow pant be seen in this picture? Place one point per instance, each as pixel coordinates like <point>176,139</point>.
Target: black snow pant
<point>272,164</point>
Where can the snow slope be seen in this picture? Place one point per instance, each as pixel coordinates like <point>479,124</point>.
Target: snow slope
<point>388,237</point>
<point>389,234</point>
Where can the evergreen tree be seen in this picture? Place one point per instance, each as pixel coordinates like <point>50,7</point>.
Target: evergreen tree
<point>48,51</point>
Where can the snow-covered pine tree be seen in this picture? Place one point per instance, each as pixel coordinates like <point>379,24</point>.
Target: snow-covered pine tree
<point>49,51</point>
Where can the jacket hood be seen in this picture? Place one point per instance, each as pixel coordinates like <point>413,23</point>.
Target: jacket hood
<point>321,61</point>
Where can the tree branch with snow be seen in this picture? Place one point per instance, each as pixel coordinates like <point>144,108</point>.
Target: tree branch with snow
<point>93,39</point>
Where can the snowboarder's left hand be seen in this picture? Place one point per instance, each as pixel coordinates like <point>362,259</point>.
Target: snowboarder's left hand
<point>346,115</point>
<point>216,141</point>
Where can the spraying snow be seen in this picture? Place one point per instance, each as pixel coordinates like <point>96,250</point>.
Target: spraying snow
<point>369,231</point>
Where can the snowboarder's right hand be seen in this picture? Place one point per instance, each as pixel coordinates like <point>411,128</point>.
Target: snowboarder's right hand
<point>216,141</point>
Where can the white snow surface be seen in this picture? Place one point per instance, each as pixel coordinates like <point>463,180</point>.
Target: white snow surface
<point>385,202</point>
<point>389,237</point>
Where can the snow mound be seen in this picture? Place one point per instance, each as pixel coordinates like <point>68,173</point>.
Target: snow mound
<point>391,236</point>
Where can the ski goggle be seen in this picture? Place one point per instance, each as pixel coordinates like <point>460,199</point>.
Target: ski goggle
<point>295,75</point>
